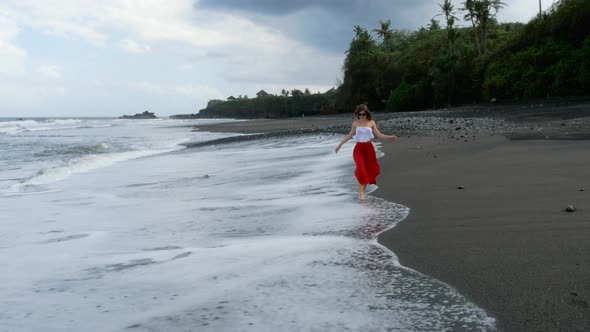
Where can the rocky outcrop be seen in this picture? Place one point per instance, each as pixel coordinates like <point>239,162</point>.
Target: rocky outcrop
<point>144,115</point>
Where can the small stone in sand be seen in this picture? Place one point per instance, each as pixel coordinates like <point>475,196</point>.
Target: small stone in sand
<point>460,187</point>
<point>570,208</point>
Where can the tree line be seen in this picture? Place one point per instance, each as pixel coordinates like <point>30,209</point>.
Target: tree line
<point>272,106</point>
<point>445,64</point>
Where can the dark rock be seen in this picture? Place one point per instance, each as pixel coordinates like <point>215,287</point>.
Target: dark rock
<point>570,208</point>
<point>460,187</point>
<point>579,303</point>
<point>144,115</point>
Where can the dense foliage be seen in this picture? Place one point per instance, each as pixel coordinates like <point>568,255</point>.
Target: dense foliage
<point>550,57</point>
<point>271,106</point>
<point>443,65</point>
<point>436,67</point>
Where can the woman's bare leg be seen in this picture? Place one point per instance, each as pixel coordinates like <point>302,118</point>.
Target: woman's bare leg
<point>362,189</point>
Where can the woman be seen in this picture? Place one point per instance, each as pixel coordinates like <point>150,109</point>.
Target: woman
<point>364,129</point>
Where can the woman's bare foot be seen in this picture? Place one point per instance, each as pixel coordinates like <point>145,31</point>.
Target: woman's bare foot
<point>362,189</point>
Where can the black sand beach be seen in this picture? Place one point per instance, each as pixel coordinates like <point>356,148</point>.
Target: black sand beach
<point>505,240</point>
<point>487,187</point>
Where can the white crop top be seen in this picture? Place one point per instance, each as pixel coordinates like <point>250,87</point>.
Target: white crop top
<point>364,134</point>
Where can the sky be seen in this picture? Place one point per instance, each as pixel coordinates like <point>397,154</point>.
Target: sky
<point>73,58</point>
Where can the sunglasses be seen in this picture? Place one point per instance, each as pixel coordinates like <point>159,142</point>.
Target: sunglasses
<point>362,114</point>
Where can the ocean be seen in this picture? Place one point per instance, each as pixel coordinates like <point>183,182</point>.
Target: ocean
<point>112,225</point>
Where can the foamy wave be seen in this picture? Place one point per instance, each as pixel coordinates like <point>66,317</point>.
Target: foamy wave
<point>23,126</point>
<point>83,165</point>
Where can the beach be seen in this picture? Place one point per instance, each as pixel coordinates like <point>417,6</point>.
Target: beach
<point>488,189</point>
<point>228,225</point>
<point>505,240</point>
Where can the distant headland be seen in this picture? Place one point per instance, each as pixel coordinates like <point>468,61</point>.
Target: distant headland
<point>144,115</point>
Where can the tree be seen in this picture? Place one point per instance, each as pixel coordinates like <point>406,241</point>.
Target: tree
<point>362,39</point>
<point>449,12</point>
<point>469,6</point>
<point>359,69</point>
<point>482,13</point>
<point>296,93</point>
<point>434,25</point>
<point>384,33</point>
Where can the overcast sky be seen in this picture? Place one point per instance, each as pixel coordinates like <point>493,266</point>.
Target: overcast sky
<point>113,57</point>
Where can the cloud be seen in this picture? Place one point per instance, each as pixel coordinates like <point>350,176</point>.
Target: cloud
<point>12,57</point>
<point>272,7</point>
<point>67,19</point>
<point>131,46</point>
<point>328,24</point>
<point>49,71</point>
<point>198,91</point>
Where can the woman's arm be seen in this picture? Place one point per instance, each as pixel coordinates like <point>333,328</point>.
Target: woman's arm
<point>347,137</point>
<point>379,134</point>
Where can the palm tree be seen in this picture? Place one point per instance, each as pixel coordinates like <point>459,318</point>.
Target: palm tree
<point>358,30</point>
<point>481,13</point>
<point>384,33</point>
<point>434,25</point>
<point>449,12</point>
<point>362,39</point>
<point>469,6</point>
<point>488,12</point>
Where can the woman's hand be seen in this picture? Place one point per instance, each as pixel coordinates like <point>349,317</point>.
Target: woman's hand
<point>337,148</point>
<point>393,137</point>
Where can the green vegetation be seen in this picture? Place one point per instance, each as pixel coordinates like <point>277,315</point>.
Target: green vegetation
<point>440,66</point>
<point>549,57</point>
<point>444,64</point>
<point>298,104</point>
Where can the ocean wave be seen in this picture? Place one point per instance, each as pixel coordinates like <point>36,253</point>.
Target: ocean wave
<point>23,126</point>
<point>84,164</point>
<point>74,150</point>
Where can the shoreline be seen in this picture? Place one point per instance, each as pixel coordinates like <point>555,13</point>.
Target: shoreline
<point>504,241</point>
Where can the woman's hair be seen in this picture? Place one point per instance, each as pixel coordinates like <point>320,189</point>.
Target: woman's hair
<point>363,108</point>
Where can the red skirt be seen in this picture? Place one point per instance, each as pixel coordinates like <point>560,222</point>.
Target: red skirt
<point>365,158</point>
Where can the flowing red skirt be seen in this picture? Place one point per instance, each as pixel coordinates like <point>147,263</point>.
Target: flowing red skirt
<point>367,168</point>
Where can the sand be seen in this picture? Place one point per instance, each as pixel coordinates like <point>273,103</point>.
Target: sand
<point>505,240</point>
